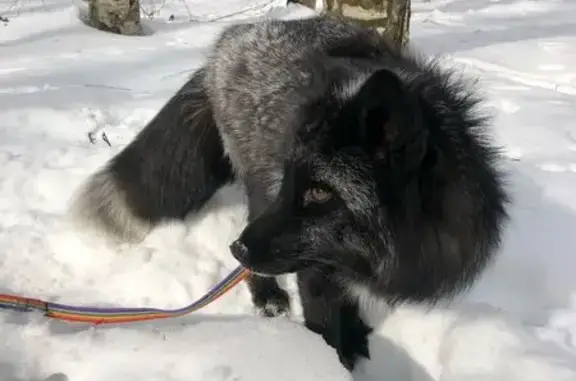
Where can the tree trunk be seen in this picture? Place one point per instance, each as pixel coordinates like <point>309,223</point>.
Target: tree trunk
<point>398,21</point>
<point>116,16</point>
<point>391,17</point>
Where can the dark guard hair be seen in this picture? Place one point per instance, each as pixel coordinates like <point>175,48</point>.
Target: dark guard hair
<point>391,192</point>
<point>368,171</point>
<point>394,189</point>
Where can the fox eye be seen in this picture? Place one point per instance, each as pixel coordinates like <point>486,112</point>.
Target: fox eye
<point>316,195</point>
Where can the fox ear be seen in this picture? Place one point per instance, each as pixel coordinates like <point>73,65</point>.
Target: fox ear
<point>390,117</point>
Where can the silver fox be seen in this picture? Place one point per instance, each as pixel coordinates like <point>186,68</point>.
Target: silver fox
<point>366,168</point>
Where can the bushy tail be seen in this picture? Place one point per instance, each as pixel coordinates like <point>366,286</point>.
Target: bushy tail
<point>172,167</point>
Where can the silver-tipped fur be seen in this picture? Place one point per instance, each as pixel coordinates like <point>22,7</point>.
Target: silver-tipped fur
<point>101,205</point>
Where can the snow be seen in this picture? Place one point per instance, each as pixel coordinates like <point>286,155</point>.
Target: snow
<point>208,348</point>
<point>60,80</point>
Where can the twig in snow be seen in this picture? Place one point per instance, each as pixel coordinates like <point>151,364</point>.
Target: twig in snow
<point>105,138</point>
<point>91,137</point>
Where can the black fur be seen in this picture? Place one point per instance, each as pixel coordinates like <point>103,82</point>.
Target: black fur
<point>334,317</point>
<point>367,171</point>
<point>183,131</point>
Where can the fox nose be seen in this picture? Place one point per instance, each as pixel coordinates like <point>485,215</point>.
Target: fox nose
<point>239,250</point>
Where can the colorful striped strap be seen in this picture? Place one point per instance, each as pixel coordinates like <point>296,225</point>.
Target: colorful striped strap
<point>97,315</point>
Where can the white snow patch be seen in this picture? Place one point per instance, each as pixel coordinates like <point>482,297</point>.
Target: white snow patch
<point>206,348</point>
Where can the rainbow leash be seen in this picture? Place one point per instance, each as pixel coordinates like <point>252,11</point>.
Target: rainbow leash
<point>98,316</point>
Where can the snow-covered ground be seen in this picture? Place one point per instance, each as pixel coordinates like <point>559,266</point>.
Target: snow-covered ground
<point>60,80</point>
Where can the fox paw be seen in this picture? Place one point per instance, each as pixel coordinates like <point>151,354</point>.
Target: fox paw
<point>349,340</point>
<point>352,345</point>
<point>272,303</point>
